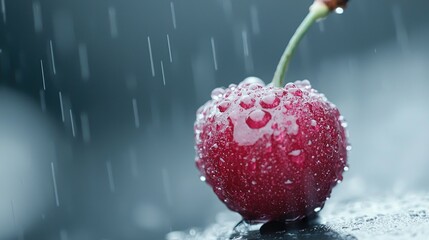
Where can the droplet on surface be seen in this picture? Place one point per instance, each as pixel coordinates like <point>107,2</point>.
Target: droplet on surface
<point>203,179</point>
<point>258,119</point>
<point>250,80</point>
<point>270,101</point>
<point>217,93</point>
<point>317,209</point>
<point>339,10</point>
<point>295,153</point>
<point>223,106</point>
<point>247,102</point>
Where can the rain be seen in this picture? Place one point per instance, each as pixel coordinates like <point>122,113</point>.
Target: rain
<point>98,101</point>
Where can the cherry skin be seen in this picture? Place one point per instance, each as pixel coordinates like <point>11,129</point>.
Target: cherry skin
<point>270,153</point>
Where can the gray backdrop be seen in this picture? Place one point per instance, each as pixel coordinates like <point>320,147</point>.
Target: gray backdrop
<point>94,145</point>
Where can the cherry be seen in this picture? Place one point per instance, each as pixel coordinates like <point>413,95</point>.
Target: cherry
<point>272,152</point>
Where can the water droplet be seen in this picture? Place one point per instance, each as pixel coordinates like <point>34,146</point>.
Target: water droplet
<point>270,101</point>
<point>247,102</point>
<point>250,80</point>
<point>296,92</point>
<point>203,179</point>
<point>317,209</point>
<point>217,93</point>
<point>349,147</point>
<point>344,124</point>
<point>290,85</point>
<point>223,106</point>
<point>258,119</point>
<point>295,153</point>
<point>339,10</point>
<point>346,168</point>
<point>253,182</point>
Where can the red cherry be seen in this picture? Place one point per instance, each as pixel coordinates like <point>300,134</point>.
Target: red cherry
<point>271,153</point>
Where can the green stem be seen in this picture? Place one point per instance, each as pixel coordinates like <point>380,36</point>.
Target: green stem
<point>317,11</point>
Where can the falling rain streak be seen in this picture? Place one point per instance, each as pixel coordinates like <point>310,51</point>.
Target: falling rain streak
<point>60,95</point>
<point>167,189</point>
<point>54,69</point>
<point>72,123</point>
<point>3,11</point>
<point>401,32</point>
<point>37,15</point>
<point>254,18</point>
<point>54,181</point>
<point>86,133</point>
<point>162,71</point>
<point>13,212</point>
<point>113,22</point>
<point>42,100</point>
<point>133,159</point>
<point>136,113</point>
<point>83,60</point>
<point>173,14</point>
<point>43,74</point>
<point>169,48</point>
<point>151,57</point>
<point>110,176</point>
<point>248,61</point>
<point>214,53</point>
<point>245,43</point>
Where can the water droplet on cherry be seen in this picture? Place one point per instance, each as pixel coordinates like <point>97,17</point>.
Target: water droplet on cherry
<point>223,106</point>
<point>247,102</point>
<point>270,101</point>
<point>258,119</point>
<point>217,93</point>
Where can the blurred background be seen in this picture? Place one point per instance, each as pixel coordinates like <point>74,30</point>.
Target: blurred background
<point>98,99</point>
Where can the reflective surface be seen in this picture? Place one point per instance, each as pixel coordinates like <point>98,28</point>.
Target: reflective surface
<point>400,217</point>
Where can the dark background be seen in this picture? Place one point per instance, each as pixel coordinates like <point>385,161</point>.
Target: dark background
<point>121,147</point>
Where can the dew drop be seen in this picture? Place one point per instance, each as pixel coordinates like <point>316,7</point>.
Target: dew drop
<point>349,147</point>
<point>223,106</point>
<point>247,102</point>
<point>203,179</point>
<point>253,182</point>
<point>250,80</point>
<point>217,93</point>
<point>339,10</point>
<point>295,153</point>
<point>258,119</point>
<point>317,209</point>
<point>344,124</point>
<point>296,92</point>
<point>346,168</point>
<point>270,101</point>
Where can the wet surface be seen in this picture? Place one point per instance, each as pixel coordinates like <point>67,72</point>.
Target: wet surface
<point>389,217</point>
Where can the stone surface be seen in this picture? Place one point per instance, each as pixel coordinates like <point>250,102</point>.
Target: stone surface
<point>383,217</point>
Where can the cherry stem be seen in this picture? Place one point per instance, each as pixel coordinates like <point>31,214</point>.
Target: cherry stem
<point>318,10</point>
